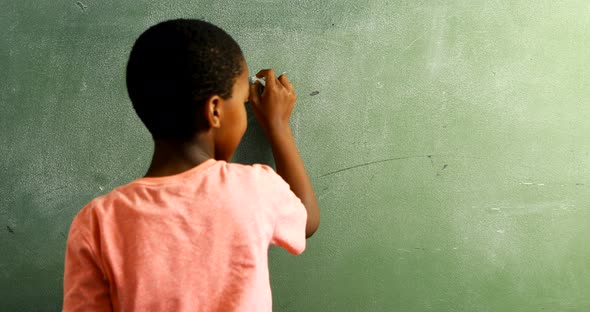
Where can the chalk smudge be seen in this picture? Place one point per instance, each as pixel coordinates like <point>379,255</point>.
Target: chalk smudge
<point>81,6</point>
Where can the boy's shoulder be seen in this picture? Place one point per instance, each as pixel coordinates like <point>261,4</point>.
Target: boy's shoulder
<point>259,173</point>
<point>256,174</point>
<point>96,203</point>
<point>248,168</point>
<point>100,205</point>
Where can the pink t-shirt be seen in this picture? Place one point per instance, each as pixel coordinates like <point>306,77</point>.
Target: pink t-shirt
<point>195,241</point>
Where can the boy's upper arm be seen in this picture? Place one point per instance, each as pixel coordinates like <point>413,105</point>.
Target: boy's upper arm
<point>288,213</point>
<point>85,285</point>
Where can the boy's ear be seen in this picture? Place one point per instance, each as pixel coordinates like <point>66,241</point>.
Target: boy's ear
<point>213,111</point>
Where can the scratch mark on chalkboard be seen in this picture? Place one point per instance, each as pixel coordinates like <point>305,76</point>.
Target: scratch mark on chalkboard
<point>369,163</point>
<point>54,190</point>
<point>314,93</point>
<point>394,159</point>
<point>9,230</point>
<point>431,161</point>
<point>412,43</point>
<point>445,167</point>
<point>373,163</point>
<point>81,6</point>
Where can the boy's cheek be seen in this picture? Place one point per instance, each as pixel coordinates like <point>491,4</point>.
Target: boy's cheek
<point>244,121</point>
<point>244,128</point>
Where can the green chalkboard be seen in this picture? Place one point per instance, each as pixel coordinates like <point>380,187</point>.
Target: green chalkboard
<point>448,141</point>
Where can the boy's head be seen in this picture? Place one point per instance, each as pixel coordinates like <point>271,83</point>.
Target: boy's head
<point>185,77</point>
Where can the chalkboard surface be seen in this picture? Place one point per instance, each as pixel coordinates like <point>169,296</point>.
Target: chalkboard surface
<point>449,143</point>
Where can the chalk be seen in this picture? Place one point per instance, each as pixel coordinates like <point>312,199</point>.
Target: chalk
<point>262,80</point>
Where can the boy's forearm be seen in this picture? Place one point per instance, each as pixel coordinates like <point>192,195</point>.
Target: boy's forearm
<point>291,168</point>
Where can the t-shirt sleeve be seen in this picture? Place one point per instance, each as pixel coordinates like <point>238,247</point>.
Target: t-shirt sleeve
<point>288,214</point>
<point>85,286</point>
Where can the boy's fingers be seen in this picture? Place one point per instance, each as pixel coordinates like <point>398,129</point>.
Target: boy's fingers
<point>269,76</point>
<point>286,82</point>
<point>264,73</point>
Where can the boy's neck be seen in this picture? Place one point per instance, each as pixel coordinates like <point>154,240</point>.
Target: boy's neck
<point>173,157</point>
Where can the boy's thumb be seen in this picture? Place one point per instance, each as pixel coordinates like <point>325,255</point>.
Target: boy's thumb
<point>254,96</point>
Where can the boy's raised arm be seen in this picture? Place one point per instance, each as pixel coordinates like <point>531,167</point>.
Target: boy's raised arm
<point>273,109</point>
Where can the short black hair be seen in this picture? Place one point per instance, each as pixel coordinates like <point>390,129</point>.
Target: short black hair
<point>174,68</point>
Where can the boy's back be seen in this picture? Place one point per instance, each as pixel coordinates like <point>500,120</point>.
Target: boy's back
<point>196,239</point>
<point>193,234</point>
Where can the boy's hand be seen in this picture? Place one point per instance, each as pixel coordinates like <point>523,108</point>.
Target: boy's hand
<point>274,106</point>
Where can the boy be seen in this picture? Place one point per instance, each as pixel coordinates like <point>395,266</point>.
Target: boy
<point>193,234</point>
